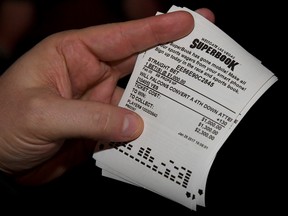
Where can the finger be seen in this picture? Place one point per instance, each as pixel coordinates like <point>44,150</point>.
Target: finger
<point>117,96</point>
<point>127,65</point>
<point>114,98</point>
<point>88,119</point>
<point>207,13</point>
<point>121,40</point>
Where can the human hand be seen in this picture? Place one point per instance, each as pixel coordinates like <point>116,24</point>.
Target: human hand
<point>61,97</point>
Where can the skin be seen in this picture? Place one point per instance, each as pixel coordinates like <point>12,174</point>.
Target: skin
<point>60,98</point>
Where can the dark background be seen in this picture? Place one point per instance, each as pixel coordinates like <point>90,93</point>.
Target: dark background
<point>247,176</point>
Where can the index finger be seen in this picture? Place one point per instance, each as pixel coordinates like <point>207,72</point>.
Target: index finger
<point>119,40</point>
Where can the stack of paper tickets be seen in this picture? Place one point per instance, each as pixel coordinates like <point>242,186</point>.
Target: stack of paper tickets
<point>191,94</point>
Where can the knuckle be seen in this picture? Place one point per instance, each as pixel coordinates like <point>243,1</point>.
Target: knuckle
<point>101,121</point>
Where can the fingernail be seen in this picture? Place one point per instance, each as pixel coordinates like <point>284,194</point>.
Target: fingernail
<point>132,126</point>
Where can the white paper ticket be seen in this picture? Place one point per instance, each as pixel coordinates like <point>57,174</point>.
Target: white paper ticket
<point>191,94</point>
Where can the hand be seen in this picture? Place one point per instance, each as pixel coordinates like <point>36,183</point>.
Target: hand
<point>61,97</point>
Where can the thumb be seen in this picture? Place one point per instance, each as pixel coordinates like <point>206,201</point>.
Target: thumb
<point>94,120</point>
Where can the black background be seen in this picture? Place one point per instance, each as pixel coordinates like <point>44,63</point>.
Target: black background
<point>247,176</point>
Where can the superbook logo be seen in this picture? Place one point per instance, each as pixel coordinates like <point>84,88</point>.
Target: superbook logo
<point>197,44</point>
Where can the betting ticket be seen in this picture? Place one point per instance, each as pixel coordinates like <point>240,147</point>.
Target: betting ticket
<point>191,94</point>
